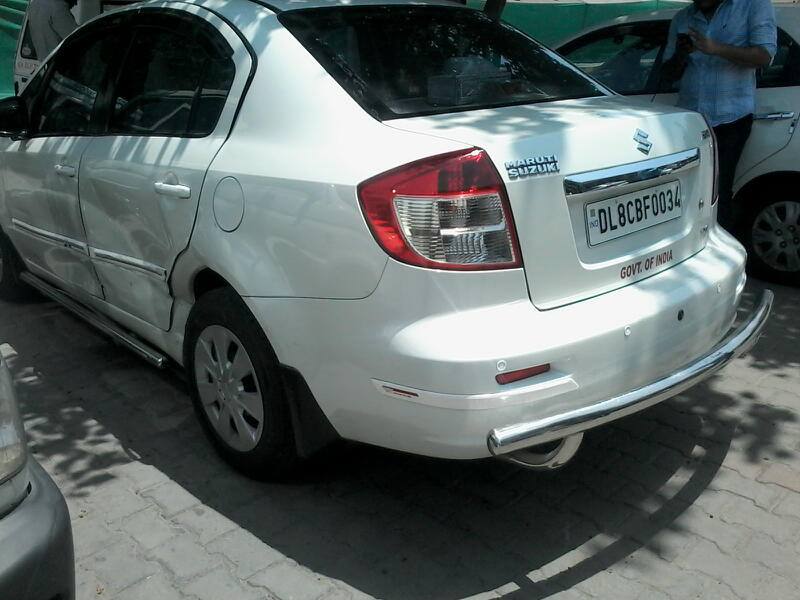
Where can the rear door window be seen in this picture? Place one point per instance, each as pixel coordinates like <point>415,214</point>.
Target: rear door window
<point>175,80</point>
<point>401,60</point>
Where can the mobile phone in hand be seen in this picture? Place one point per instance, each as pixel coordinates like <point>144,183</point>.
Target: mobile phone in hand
<point>685,44</point>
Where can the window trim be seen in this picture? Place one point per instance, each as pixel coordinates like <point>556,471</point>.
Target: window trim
<point>209,31</point>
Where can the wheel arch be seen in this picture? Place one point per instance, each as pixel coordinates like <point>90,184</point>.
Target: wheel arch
<point>206,280</point>
<point>757,193</point>
<point>766,181</point>
<point>312,429</point>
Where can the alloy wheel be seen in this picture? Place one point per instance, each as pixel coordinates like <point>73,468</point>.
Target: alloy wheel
<point>776,236</point>
<point>228,388</point>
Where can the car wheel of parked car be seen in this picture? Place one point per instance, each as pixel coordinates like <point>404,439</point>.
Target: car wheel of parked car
<point>772,233</point>
<point>237,388</point>
<point>11,286</point>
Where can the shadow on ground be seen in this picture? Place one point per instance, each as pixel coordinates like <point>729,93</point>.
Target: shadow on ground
<point>392,525</point>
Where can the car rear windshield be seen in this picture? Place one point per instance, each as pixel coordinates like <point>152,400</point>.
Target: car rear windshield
<point>401,61</point>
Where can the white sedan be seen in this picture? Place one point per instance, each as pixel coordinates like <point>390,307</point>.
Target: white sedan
<point>627,54</point>
<point>402,224</point>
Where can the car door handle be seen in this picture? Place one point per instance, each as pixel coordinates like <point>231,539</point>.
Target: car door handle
<point>172,189</point>
<point>774,116</point>
<point>65,170</point>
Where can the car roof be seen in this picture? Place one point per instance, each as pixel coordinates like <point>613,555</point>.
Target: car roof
<point>787,14</point>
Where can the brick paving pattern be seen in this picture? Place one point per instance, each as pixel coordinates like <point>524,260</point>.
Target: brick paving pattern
<point>698,497</point>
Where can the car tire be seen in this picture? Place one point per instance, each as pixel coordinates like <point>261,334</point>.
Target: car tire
<point>237,387</point>
<point>12,288</point>
<point>771,233</point>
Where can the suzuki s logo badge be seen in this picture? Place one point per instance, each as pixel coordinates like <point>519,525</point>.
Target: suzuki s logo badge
<point>643,142</point>
<point>538,165</point>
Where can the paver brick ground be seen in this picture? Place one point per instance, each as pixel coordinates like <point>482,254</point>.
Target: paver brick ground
<point>698,497</point>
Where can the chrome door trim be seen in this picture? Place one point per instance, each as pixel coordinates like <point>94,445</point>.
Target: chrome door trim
<point>775,116</point>
<point>129,262</point>
<point>645,170</point>
<point>49,236</point>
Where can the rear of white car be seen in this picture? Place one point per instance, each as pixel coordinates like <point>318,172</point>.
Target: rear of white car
<point>419,229</point>
<point>548,252</point>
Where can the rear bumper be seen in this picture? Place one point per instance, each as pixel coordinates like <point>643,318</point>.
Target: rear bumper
<point>36,551</point>
<point>521,435</point>
<point>412,367</point>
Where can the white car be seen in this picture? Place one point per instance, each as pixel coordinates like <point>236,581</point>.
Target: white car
<point>627,54</point>
<point>457,246</point>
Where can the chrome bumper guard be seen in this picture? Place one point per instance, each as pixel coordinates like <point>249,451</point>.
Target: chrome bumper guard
<point>522,435</point>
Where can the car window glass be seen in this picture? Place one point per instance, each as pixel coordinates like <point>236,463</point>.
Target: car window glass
<point>784,71</point>
<point>449,58</point>
<point>621,58</point>
<point>173,83</point>
<point>78,72</point>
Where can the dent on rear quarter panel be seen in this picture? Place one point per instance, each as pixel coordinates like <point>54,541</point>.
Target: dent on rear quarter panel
<point>299,149</point>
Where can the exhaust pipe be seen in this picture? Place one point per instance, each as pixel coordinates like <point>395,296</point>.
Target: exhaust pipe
<point>546,457</point>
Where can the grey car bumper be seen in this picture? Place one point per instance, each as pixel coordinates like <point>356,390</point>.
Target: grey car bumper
<point>36,553</point>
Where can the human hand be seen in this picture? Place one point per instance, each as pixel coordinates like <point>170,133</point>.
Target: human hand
<point>703,43</point>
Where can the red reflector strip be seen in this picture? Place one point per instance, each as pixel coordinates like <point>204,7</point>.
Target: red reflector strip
<point>399,392</point>
<point>512,376</point>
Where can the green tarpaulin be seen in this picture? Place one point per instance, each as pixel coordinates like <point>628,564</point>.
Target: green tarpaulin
<point>553,21</point>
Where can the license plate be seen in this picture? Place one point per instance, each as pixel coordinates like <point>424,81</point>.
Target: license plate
<point>615,217</point>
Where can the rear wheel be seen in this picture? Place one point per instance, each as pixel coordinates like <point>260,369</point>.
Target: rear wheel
<point>772,235</point>
<point>237,388</point>
<point>11,286</point>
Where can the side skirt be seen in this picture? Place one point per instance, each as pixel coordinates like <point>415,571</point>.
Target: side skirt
<point>114,331</point>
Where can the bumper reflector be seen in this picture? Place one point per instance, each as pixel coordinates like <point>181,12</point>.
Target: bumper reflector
<point>512,376</point>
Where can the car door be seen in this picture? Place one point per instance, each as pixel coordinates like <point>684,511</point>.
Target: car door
<point>173,105</point>
<point>777,105</point>
<point>41,171</point>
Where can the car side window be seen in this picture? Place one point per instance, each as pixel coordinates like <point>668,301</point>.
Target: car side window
<point>623,57</point>
<point>784,71</point>
<point>71,83</point>
<point>174,82</point>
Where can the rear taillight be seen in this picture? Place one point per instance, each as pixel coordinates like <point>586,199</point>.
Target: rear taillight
<point>445,212</point>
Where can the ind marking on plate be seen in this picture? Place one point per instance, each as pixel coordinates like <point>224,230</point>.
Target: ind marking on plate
<point>538,165</point>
